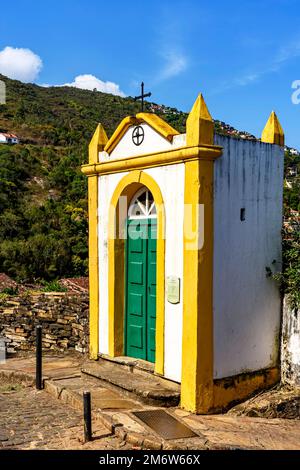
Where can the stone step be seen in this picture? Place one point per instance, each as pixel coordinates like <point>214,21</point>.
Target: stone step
<point>145,387</point>
<point>130,363</point>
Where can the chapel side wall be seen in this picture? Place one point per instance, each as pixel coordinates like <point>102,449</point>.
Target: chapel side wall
<point>247,306</point>
<point>106,187</point>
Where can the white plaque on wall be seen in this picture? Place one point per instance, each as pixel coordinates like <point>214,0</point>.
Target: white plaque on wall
<point>173,289</point>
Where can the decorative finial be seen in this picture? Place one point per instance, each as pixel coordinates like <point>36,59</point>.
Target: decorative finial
<point>199,124</point>
<point>273,132</point>
<point>97,143</point>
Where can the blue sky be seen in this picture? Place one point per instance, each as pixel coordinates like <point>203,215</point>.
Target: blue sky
<point>242,55</point>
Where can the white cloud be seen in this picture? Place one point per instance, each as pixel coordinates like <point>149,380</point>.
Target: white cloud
<point>90,82</point>
<point>244,80</point>
<point>288,51</point>
<point>175,63</point>
<point>169,42</point>
<point>20,64</point>
<point>25,65</point>
<point>284,54</point>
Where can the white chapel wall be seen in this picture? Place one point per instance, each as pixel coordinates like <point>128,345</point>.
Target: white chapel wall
<point>153,142</point>
<point>106,187</point>
<point>170,179</point>
<point>246,303</point>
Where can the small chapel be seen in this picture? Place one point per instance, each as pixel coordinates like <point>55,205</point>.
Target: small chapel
<point>184,230</point>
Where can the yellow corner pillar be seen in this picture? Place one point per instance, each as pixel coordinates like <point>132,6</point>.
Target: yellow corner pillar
<point>197,346</point>
<point>96,145</point>
<point>273,132</point>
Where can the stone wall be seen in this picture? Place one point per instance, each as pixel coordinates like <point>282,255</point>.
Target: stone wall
<point>64,318</point>
<point>290,345</point>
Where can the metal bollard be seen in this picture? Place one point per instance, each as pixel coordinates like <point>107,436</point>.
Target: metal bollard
<point>87,416</point>
<point>38,374</point>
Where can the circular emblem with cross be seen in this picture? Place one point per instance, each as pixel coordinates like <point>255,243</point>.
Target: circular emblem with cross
<point>138,135</point>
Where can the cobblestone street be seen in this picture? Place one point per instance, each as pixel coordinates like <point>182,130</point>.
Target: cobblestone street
<point>31,419</point>
<point>52,418</point>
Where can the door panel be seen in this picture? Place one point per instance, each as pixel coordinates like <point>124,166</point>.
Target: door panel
<point>136,299</point>
<point>141,289</point>
<point>135,304</point>
<point>136,274</point>
<point>151,292</point>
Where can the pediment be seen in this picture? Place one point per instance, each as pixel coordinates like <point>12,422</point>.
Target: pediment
<point>143,134</point>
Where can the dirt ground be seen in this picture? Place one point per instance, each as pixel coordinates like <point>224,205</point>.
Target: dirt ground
<point>282,401</point>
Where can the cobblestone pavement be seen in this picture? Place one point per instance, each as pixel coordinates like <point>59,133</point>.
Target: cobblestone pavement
<point>31,419</point>
<point>39,420</point>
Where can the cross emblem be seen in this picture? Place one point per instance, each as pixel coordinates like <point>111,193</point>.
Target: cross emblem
<point>142,96</point>
<point>138,135</point>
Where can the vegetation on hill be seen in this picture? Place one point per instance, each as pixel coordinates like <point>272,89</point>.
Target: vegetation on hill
<point>290,276</point>
<point>43,194</point>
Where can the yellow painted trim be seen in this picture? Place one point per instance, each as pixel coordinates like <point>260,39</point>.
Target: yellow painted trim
<point>93,266</point>
<point>116,265</point>
<point>273,132</point>
<point>97,143</point>
<point>119,132</point>
<point>197,335</point>
<point>199,124</point>
<point>197,342</point>
<point>234,389</point>
<point>169,157</point>
<point>158,124</point>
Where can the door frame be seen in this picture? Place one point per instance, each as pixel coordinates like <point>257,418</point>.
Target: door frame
<point>128,186</point>
<point>149,223</point>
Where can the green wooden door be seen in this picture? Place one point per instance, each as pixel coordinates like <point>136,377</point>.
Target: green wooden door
<point>141,289</point>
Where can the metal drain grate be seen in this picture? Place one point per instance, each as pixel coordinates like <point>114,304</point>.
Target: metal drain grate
<point>164,424</point>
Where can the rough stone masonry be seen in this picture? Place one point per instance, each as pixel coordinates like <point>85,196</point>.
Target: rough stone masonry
<point>63,316</point>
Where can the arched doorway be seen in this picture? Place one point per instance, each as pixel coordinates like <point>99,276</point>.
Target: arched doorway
<point>140,278</point>
<point>118,215</point>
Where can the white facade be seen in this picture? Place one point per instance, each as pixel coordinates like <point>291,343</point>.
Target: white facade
<point>153,142</point>
<point>106,187</point>
<point>247,306</point>
<point>170,180</point>
<point>246,303</point>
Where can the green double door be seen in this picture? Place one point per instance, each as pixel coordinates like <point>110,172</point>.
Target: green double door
<point>140,289</point>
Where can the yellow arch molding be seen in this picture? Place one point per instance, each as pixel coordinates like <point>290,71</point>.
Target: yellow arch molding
<point>119,132</point>
<point>116,264</point>
<point>158,124</point>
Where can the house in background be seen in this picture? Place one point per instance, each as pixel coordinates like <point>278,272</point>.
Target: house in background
<point>6,138</point>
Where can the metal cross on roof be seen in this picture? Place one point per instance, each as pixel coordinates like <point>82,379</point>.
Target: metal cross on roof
<point>142,96</point>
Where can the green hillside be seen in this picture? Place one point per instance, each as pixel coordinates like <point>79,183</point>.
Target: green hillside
<point>65,116</point>
<point>43,195</point>
<point>43,205</point>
